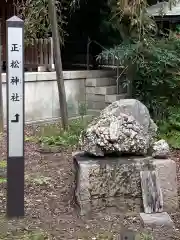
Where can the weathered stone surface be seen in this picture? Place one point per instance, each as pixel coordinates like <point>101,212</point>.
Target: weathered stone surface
<point>156,219</point>
<point>100,82</point>
<point>124,126</point>
<point>151,192</point>
<point>166,169</point>
<point>115,182</point>
<point>160,149</point>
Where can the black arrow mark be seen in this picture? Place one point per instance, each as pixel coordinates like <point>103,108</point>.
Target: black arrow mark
<point>17,118</point>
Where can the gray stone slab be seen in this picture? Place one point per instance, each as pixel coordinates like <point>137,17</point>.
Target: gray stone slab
<point>95,97</point>
<point>156,219</point>
<point>106,90</point>
<point>107,181</point>
<point>100,82</point>
<point>166,169</point>
<point>151,192</point>
<point>114,97</point>
<point>96,105</point>
<point>93,112</point>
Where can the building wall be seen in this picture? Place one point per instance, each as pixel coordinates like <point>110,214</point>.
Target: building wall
<point>41,93</point>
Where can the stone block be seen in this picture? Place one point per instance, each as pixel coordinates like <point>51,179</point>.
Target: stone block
<point>84,74</point>
<point>95,97</point>
<point>114,97</point>
<point>96,105</point>
<point>156,219</point>
<point>99,82</point>
<point>106,90</point>
<point>101,90</point>
<point>90,90</point>
<point>93,112</point>
<point>114,181</point>
<point>166,169</point>
<point>98,73</point>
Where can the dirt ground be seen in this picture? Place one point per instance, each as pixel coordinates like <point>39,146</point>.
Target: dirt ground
<point>50,212</point>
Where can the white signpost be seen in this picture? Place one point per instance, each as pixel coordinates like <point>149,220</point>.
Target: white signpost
<point>15,117</point>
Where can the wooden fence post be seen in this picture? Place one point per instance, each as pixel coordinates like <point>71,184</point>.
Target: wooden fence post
<point>51,55</point>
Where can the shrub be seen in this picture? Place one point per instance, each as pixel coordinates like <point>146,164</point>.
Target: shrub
<point>169,129</point>
<point>152,68</point>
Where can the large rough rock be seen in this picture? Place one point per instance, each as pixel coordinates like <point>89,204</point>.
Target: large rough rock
<point>125,126</point>
<point>116,183</point>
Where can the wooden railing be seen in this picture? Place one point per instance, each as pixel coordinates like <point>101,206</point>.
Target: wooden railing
<point>39,52</point>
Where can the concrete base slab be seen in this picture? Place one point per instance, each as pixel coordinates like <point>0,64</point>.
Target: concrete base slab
<point>156,219</point>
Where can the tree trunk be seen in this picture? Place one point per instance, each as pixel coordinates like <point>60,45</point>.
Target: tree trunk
<point>58,63</point>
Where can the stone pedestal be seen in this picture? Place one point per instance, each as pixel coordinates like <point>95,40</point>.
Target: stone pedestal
<point>115,182</point>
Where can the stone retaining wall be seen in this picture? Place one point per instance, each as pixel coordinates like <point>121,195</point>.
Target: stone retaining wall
<point>41,93</point>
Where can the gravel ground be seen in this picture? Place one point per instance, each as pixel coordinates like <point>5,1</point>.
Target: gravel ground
<point>50,212</point>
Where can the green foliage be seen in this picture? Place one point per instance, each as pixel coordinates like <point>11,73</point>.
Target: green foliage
<point>109,34</point>
<point>3,163</point>
<point>169,129</point>
<point>155,75</point>
<point>31,139</point>
<point>3,180</point>
<point>131,19</point>
<point>65,138</point>
<point>151,64</point>
<point>145,236</point>
<point>36,17</point>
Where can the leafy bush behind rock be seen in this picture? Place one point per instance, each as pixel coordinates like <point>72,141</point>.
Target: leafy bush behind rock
<point>152,65</point>
<point>152,69</point>
<point>169,128</point>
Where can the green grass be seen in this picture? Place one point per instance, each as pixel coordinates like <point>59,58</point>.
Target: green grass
<point>35,236</point>
<point>31,139</point>
<point>25,236</point>
<point>3,163</point>
<point>54,135</point>
<point>3,180</point>
<point>145,236</point>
